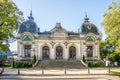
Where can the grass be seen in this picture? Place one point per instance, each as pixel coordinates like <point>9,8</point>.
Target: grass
<point>115,73</point>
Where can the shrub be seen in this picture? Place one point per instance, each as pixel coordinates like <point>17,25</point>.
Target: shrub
<point>23,64</point>
<point>96,64</point>
<point>34,59</point>
<point>7,65</point>
<point>84,60</point>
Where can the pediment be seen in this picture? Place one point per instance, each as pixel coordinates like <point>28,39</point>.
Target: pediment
<point>58,29</point>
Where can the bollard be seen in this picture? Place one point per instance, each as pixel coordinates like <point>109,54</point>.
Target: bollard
<point>42,71</point>
<point>109,68</point>
<point>88,70</point>
<point>18,71</point>
<point>65,71</point>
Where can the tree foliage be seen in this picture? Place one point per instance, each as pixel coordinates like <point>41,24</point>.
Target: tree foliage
<point>103,51</point>
<point>10,17</point>
<point>111,24</point>
<point>106,48</point>
<point>115,57</point>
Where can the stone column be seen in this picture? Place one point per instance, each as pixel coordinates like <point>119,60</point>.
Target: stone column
<point>21,50</point>
<point>18,48</point>
<point>52,54</point>
<point>78,51</point>
<point>80,48</point>
<point>38,50</point>
<point>94,50</point>
<point>66,54</point>
<point>98,51</point>
<point>83,48</point>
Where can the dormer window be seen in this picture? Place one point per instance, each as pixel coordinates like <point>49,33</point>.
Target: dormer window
<point>89,27</point>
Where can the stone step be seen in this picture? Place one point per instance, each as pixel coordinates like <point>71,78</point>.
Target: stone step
<point>61,64</point>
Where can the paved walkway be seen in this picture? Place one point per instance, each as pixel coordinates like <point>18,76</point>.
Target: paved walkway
<point>59,74</point>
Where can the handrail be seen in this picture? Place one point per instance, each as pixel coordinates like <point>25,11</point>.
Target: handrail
<point>2,71</point>
<point>86,65</point>
<point>35,63</point>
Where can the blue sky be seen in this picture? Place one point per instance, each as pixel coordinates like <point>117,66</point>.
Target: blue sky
<point>70,13</point>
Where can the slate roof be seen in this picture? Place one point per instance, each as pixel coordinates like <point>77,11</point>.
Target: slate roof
<point>88,27</point>
<point>28,26</point>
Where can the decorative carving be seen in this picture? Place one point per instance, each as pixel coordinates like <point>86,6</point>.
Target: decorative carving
<point>52,43</point>
<point>45,43</point>
<point>90,39</point>
<point>96,43</point>
<point>20,42</point>
<point>84,43</point>
<point>66,43</point>
<point>27,38</point>
<point>33,42</point>
<point>58,29</point>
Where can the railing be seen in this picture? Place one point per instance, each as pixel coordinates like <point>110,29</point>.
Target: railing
<point>2,71</point>
<point>85,64</point>
<point>35,63</point>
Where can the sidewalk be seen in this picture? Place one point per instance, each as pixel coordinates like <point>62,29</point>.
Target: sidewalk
<point>95,74</point>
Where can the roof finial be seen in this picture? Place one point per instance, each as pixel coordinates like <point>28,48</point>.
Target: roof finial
<point>31,13</point>
<point>86,18</point>
<point>30,17</point>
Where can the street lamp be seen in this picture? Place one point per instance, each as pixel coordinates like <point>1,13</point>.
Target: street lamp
<point>109,62</point>
<point>88,51</point>
<point>109,49</point>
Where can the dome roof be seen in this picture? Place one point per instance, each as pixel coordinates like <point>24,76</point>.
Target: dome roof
<point>28,26</point>
<point>88,27</point>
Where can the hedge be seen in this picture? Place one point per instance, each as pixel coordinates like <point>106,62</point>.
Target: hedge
<point>25,64</point>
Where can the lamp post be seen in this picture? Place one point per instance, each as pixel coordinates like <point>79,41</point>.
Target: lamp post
<point>109,62</point>
<point>109,49</point>
<point>88,51</point>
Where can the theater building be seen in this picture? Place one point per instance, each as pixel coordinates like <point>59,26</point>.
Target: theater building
<point>58,43</point>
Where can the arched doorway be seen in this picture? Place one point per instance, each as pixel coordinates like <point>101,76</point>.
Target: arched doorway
<point>89,51</point>
<point>27,50</point>
<point>72,52</point>
<point>59,53</point>
<point>45,53</point>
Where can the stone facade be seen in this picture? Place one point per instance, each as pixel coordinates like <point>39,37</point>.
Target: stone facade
<point>58,43</point>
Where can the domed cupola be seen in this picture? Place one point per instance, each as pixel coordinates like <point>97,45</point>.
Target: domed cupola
<point>88,27</point>
<point>28,26</point>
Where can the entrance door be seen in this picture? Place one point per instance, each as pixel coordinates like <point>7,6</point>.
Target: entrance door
<point>27,50</point>
<point>89,51</point>
<point>59,53</point>
<point>45,52</point>
<point>72,52</point>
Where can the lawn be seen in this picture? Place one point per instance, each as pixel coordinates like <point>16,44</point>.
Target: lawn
<point>115,73</point>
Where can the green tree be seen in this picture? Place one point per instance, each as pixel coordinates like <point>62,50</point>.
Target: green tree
<point>106,48</point>
<point>115,57</point>
<point>111,24</point>
<point>103,51</point>
<point>10,17</point>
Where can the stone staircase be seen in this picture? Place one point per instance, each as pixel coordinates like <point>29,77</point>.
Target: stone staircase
<point>61,64</point>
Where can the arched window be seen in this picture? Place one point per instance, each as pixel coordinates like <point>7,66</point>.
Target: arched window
<point>27,50</point>
<point>45,52</point>
<point>59,52</point>
<point>89,51</point>
<point>72,52</point>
